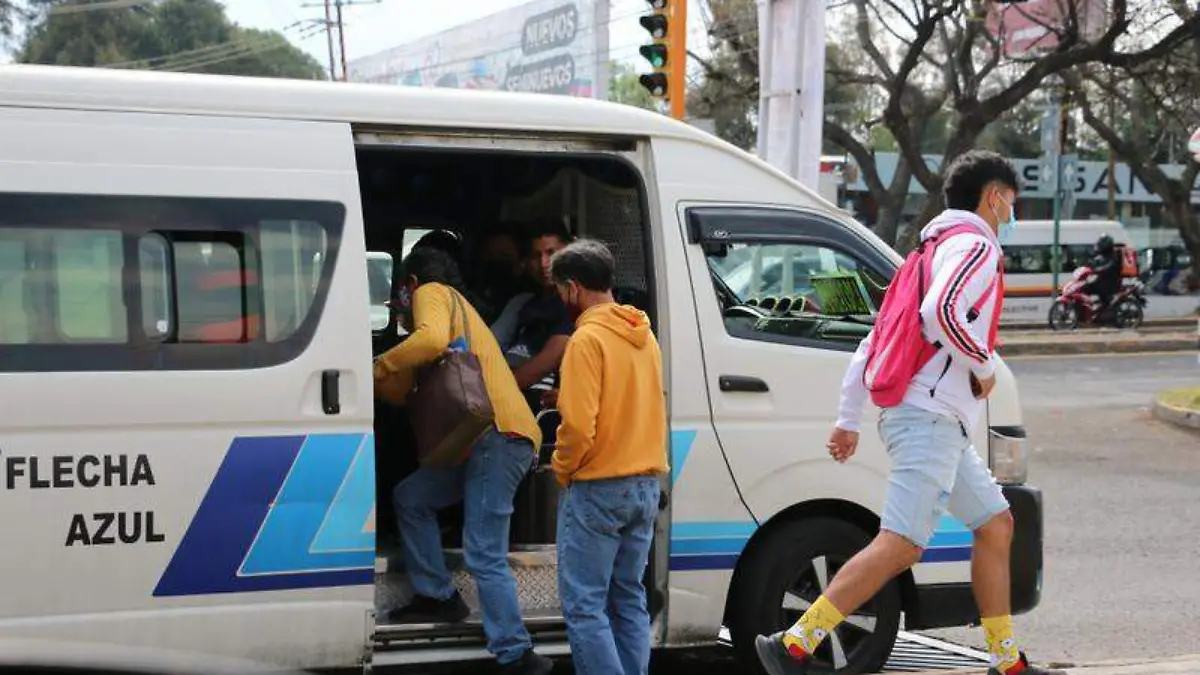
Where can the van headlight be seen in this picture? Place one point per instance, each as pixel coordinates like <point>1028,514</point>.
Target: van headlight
<point>1008,455</point>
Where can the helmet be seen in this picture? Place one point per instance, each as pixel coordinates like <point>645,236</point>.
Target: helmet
<point>1104,244</point>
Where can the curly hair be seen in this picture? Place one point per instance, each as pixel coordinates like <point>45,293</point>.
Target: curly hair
<point>971,173</point>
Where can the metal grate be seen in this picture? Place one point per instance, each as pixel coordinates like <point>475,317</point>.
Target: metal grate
<point>916,653</point>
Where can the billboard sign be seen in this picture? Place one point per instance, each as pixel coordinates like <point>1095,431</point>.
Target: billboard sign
<point>546,46</point>
<point>1024,28</point>
<point>1088,182</point>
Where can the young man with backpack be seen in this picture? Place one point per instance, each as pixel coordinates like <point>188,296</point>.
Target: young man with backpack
<point>930,363</point>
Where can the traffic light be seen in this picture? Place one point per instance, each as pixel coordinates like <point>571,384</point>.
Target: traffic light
<point>658,24</point>
<point>667,54</point>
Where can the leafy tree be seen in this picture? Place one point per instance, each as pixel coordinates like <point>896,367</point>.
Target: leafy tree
<point>624,87</point>
<point>174,35</point>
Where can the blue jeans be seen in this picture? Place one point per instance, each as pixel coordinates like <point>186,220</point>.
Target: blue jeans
<point>486,485</point>
<point>604,533</point>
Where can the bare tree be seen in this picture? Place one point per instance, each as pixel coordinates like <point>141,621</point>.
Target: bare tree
<point>937,56</point>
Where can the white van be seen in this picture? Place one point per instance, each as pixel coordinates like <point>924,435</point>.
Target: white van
<point>192,455</point>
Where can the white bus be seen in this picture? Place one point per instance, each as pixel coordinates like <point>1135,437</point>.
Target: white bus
<point>193,457</point>
<point>1028,255</point>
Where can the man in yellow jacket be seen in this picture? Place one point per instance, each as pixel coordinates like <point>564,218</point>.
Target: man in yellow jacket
<point>609,457</point>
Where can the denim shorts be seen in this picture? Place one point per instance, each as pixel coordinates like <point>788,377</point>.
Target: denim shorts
<point>935,469</point>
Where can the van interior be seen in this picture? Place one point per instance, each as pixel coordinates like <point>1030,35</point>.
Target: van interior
<point>408,193</point>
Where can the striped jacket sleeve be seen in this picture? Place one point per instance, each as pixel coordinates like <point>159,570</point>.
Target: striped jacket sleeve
<point>964,270</point>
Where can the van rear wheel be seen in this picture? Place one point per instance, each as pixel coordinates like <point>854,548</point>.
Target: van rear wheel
<point>787,572</point>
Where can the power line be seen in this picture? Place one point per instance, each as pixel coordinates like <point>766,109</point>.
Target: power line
<point>337,20</point>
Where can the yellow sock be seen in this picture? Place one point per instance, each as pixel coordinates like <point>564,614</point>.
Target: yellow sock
<point>1001,644</point>
<point>812,628</point>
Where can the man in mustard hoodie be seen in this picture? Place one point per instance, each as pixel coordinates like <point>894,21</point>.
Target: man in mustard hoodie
<point>609,457</point>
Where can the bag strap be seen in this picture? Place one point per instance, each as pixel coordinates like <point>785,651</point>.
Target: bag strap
<point>456,313</point>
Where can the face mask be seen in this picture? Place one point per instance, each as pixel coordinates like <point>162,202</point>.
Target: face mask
<point>1005,231</point>
<point>403,299</point>
<point>574,311</point>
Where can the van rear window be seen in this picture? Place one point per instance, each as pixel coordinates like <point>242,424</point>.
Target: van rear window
<point>150,283</point>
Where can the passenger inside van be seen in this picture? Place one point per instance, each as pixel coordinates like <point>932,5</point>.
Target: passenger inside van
<point>496,271</point>
<point>534,327</point>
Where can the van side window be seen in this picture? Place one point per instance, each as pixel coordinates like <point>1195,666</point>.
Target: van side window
<point>788,277</point>
<point>145,283</point>
<point>795,290</point>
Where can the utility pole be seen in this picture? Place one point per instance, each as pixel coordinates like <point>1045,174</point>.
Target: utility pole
<point>329,39</point>
<point>334,8</point>
<point>1112,155</point>
<point>677,63</point>
<point>342,38</point>
<point>1059,196</point>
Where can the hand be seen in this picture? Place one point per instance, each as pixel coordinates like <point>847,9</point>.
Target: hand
<point>842,444</point>
<point>549,399</point>
<point>982,388</point>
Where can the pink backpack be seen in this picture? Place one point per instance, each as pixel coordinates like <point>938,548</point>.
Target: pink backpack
<point>898,348</point>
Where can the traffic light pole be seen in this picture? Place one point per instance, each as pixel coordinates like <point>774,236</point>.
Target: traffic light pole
<point>677,61</point>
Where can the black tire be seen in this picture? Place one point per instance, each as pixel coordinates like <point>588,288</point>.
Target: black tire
<point>1129,314</point>
<point>784,567</point>
<point>1063,315</point>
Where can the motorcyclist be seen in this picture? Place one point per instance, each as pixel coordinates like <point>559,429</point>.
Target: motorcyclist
<point>1106,265</point>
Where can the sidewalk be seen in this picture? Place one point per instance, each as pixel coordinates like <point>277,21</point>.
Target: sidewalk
<point>1181,665</point>
<point>1094,341</point>
<point>1179,406</point>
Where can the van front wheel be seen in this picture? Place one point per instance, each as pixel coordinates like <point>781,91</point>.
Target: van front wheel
<point>787,572</point>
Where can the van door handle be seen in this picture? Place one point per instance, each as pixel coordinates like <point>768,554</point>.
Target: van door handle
<point>741,383</point>
<point>331,401</point>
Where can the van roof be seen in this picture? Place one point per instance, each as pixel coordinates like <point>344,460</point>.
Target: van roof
<point>39,86</point>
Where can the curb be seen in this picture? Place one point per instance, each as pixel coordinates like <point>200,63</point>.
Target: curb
<point>1149,343</point>
<point>1184,417</point>
<point>1180,665</point>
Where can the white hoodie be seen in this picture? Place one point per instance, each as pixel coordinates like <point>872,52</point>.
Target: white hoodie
<point>965,267</point>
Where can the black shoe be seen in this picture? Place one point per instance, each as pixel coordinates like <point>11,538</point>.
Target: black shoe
<point>1023,668</point>
<point>428,610</point>
<point>776,659</point>
<point>530,663</point>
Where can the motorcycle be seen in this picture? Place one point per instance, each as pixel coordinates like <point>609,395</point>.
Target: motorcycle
<point>1074,306</point>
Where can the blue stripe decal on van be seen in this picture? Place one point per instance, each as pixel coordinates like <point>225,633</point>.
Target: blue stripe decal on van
<point>282,512</point>
<point>712,546</point>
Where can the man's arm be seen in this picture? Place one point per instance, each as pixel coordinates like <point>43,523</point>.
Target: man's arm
<point>431,308</point>
<point>545,362</point>
<point>854,391</point>
<point>964,275</point>
<point>579,405</point>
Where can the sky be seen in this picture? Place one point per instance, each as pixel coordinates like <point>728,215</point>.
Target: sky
<point>372,27</point>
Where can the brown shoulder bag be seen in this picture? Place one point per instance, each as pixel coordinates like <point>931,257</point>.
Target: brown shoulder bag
<point>449,405</point>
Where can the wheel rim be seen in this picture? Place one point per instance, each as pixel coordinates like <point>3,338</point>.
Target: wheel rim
<point>853,634</point>
<point>1062,315</point>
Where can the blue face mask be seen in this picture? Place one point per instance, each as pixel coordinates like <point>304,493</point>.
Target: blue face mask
<point>1006,229</point>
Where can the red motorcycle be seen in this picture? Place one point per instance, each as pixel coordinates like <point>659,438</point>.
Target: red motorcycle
<point>1075,306</point>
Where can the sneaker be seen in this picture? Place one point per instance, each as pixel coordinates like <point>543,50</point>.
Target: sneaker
<point>1023,668</point>
<point>422,609</point>
<point>530,663</point>
<point>776,659</point>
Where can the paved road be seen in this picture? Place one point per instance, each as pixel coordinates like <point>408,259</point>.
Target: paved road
<point>1123,502</point>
